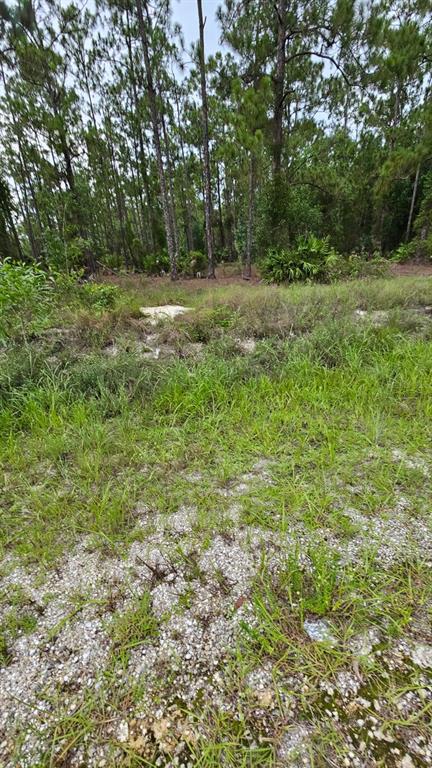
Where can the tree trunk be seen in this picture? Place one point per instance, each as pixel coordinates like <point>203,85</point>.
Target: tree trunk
<point>151,93</point>
<point>279,81</point>
<point>220,217</point>
<point>413,199</point>
<point>171,185</point>
<point>247,273</point>
<point>185,185</point>
<point>120,207</point>
<point>142,170</point>
<point>229,216</point>
<point>207,177</point>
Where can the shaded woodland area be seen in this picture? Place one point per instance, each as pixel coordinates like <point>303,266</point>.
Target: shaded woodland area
<point>121,148</point>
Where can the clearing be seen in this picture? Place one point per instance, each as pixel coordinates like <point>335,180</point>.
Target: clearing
<point>216,529</point>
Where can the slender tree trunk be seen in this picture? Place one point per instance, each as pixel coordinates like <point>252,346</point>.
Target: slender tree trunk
<point>207,176</point>
<point>142,170</point>
<point>120,206</point>
<point>247,273</point>
<point>220,217</point>
<point>151,93</point>
<point>186,184</point>
<point>279,81</point>
<point>188,219</point>
<point>28,224</point>
<point>413,200</point>
<point>171,185</point>
<point>230,215</point>
<point>142,231</point>
<point>26,178</point>
<point>9,223</point>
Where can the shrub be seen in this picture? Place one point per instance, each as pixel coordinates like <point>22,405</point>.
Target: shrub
<point>402,253</point>
<point>310,258</point>
<point>65,254</point>
<point>313,258</point>
<point>207,323</point>
<point>156,263</point>
<point>422,248</point>
<point>98,296</point>
<point>193,263</point>
<point>24,293</point>
<point>355,266</point>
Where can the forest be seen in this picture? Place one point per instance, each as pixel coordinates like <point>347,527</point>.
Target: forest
<point>123,148</point>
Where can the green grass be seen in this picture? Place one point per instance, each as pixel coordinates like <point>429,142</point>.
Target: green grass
<point>134,627</point>
<point>325,396</point>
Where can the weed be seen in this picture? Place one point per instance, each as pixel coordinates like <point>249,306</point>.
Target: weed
<point>136,626</point>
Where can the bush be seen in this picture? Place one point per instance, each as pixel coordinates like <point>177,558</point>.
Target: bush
<point>313,258</point>
<point>65,254</point>
<point>24,293</point>
<point>402,253</point>
<point>355,266</point>
<point>310,258</point>
<point>156,263</point>
<point>193,263</point>
<point>98,296</point>
<point>422,248</point>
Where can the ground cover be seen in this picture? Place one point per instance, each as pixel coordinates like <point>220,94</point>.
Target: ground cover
<point>216,533</point>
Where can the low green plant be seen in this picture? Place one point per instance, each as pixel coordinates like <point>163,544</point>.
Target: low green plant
<point>193,263</point>
<point>136,626</point>
<point>309,258</point>
<point>422,248</point>
<point>24,293</point>
<point>156,263</point>
<point>4,654</point>
<point>313,258</point>
<point>98,296</point>
<point>311,590</point>
<point>402,253</point>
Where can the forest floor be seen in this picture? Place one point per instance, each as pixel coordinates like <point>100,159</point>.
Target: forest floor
<point>411,269</point>
<point>216,530</point>
<point>231,274</point>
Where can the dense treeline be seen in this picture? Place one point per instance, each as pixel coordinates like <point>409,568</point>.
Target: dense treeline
<point>119,147</point>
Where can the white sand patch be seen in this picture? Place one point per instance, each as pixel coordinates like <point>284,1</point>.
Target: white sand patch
<point>411,462</point>
<point>163,312</point>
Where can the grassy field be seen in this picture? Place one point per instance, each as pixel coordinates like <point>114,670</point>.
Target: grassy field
<point>216,532</point>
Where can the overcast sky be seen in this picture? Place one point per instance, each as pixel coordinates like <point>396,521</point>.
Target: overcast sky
<point>186,13</point>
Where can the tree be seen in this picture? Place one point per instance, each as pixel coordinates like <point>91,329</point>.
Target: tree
<point>145,30</point>
<point>206,150</point>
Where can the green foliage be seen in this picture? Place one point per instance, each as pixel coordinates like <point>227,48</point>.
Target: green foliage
<point>189,263</point>
<point>311,589</point>
<point>313,258</point>
<point>4,654</point>
<point>282,266</point>
<point>24,293</point>
<point>64,253</point>
<point>98,296</point>
<point>156,263</point>
<point>310,258</point>
<point>356,265</point>
<point>193,263</point>
<point>402,253</point>
<point>135,627</point>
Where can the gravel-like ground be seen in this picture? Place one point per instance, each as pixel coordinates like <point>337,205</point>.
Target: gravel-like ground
<point>73,695</point>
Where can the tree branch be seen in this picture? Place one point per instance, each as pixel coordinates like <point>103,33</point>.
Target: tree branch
<point>321,55</point>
